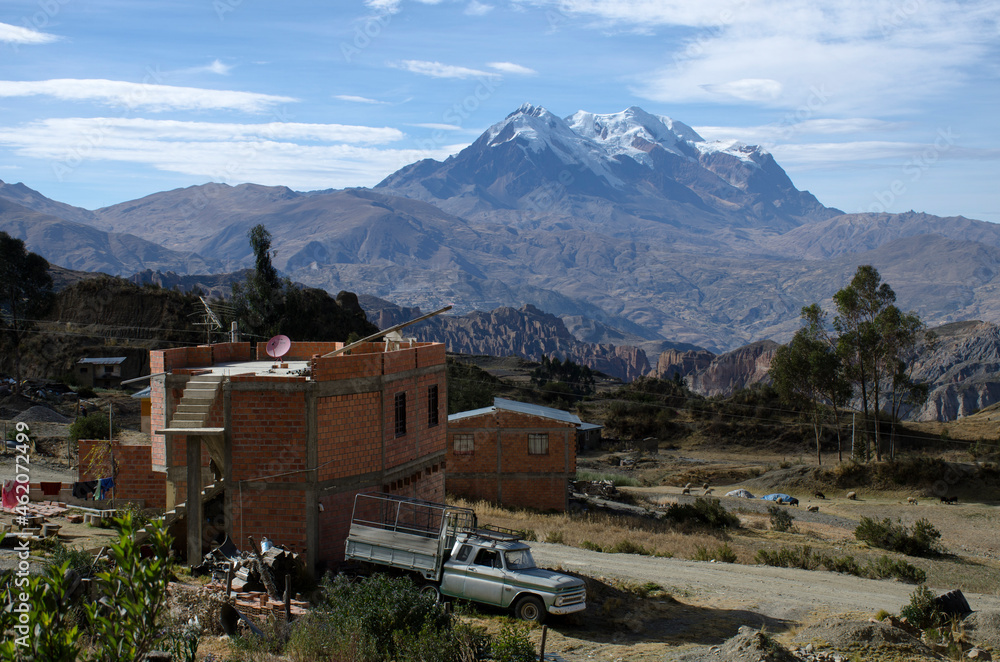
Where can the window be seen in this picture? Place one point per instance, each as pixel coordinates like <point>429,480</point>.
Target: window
<point>400,414</point>
<point>432,405</point>
<point>488,558</point>
<point>538,443</point>
<point>463,552</point>
<point>464,444</point>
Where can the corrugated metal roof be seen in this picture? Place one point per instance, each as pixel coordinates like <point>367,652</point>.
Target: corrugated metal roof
<point>144,393</point>
<point>521,408</point>
<point>104,360</point>
<point>590,426</point>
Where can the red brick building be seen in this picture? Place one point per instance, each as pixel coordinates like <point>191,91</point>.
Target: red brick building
<point>295,444</point>
<point>512,453</point>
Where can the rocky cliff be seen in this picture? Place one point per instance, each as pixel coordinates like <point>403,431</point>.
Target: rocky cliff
<point>962,367</point>
<point>675,362</point>
<point>734,370</point>
<point>527,332</point>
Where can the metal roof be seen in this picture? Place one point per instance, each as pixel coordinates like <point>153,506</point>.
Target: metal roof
<point>521,408</point>
<point>104,360</point>
<point>590,426</point>
<point>144,393</point>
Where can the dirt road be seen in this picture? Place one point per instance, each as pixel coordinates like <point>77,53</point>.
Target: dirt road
<point>777,594</point>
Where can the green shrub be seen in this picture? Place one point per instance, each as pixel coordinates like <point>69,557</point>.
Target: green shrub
<point>800,557</point>
<point>378,618</point>
<point>708,513</point>
<point>511,644</point>
<point>803,557</point>
<point>557,537</point>
<point>781,519</point>
<point>77,559</point>
<point>629,547</point>
<point>592,546</point>
<point>922,612</point>
<point>617,479</point>
<point>885,567</point>
<point>723,553</point>
<point>91,426</point>
<point>922,541</point>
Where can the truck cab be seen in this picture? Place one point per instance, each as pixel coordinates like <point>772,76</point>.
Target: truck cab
<point>497,569</point>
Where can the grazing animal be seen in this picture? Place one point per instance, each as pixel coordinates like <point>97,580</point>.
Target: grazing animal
<point>853,496</point>
<point>813,509</point>
<point>819,495</point>
<point>780,501</point>
<point>705,486</point>
<point>951,499</point>
<point>686,490</point>
<point>688,486</point>
<point>793,502</point>
<point>708,490</point>
<point>911,501</point>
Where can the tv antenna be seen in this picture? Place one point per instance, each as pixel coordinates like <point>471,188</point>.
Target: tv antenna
<point>277,347</point>
<point>211,321</point>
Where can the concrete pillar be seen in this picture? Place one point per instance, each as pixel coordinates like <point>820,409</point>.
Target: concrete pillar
<point>195,514</point>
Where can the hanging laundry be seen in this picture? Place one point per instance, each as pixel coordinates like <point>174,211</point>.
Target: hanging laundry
<point>50,489</point>
<point>84,488</point>
<point>9,498</point>
<point>105,487</point>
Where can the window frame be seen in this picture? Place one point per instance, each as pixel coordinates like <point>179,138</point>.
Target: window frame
<point>433,406</point>
<point>465,437</point>
<point>538,438</point>
<point>400,410</point>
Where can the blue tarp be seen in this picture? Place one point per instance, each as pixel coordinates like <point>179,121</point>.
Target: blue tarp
<point>784,497</point>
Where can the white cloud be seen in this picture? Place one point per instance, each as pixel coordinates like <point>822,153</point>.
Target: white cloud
<point>272,153</point>
<point>356,99</point>
<point>511,68</point>
<point>885,54</point>
<point>439,70</point>
<point>142,95</point>
<point>748,89</point>
<point>214,67</point>
<point>13,34</point>
<point>440,127</point>
<point>476,8</point>
<point>782,130</point>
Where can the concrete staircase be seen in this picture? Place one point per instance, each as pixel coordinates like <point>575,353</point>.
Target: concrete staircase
<point>199,394</point>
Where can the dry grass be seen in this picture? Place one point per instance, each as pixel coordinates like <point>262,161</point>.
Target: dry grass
<point>600,529</point>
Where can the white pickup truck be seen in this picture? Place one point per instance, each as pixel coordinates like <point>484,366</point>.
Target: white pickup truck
<point>445,549</point>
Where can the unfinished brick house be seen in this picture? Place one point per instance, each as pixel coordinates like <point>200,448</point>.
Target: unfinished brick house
<point>513,453</point>
<point>293,445</point>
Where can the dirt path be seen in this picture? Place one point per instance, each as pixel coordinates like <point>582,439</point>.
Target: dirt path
<point>776,594</point>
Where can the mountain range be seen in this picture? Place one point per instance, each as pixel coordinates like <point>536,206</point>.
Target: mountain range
<point>629,227</point>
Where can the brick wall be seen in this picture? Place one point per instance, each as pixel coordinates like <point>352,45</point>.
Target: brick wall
<point>135,480</point>
<point>517,478</point>
<point>348,435</point>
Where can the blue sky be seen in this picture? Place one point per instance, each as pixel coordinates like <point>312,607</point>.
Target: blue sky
<point>876,105</point>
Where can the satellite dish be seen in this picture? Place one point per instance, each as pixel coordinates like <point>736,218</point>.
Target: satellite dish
<point>278,346</point>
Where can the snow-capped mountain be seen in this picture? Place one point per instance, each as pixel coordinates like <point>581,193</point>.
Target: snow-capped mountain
<point>648,167</point>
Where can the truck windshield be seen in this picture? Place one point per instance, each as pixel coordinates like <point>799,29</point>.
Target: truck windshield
<point>519,559</point>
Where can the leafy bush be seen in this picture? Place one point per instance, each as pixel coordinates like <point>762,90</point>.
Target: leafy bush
<point>922,611</point>
<point>91,426</point>
<point>800,557</point>
<point>76,559</point>
<point>511,644</point>
<point>379,618</point>
<point>709,513</point>
<point>781,519</point>
<point>723,553</point>
<point>882,568</point>
<point>592,546</point>
<point>629,547</point>
<point>557,537</point>
<point>922,541</point>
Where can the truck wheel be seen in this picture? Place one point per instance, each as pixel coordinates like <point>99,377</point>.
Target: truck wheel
<point>530,608</point>
<point>432,591</point>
